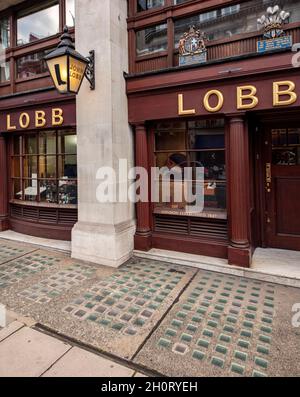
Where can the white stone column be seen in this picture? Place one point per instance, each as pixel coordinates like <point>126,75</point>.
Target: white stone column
<point>104,232</point>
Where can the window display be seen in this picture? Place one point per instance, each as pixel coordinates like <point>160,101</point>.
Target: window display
<point>44,167</point>
<point>197,145</point>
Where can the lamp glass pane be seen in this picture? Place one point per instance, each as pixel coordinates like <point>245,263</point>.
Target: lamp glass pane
<point>77,71</point>
<point>58,68</point>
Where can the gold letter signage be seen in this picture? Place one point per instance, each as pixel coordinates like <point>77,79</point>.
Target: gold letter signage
<point>247,98</point>
<point>32,119</point>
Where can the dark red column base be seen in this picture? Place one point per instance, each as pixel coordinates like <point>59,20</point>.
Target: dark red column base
<point>4,224</point>
<point>143,243</point>
<point>240,257</point>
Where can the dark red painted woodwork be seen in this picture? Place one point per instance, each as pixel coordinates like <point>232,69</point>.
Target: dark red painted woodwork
<point>3,185</point>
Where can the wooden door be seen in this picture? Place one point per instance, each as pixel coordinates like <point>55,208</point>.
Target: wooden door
<point>282,187</point>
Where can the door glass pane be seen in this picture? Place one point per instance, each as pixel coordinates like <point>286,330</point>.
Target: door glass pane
<point>286,146</point>
<point>43,21</point>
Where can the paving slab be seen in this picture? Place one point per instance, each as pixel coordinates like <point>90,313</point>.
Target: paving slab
<point>28,353</point>
<point>114,313</point>
<point>10,329</point>
<point>81,363</point>
<point>227,326</point>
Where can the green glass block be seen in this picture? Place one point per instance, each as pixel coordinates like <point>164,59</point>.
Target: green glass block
<point>238,369</point>
<point>205,304</point>
<point>267,320</point>
<point>246,334</point>
<point>262,350</point>
<point>225,338</point>
<point>267,304</point>
<point>202,311</point>
<point>215,315</point>
<point>171,332</point>
<point>211,291</point>
<point>261,362</point>
<point>238,297</point>
<point>203,343</point>
<point>187,307</point>
<point>164,343</point>
<point>228,328</point>
<point>198,355</point>
<point>139,322</point>
<point>186,337</point>
<point>240,355</point>
<point>231,320</point>
<point>192,328</point>
<point>153,306</point>
<point>265,339</point>
<point>212,324</point>
<point>225,294</point>
<point>118,326</point>
<point>181,315</point>
<point>257,374</point>
<point>240,291</point>
<point>250,316</point>
<point>244,344</point>
<point>221,349</point>
<point>218,362</point>
<point>104,322</point>
<point>219,308</point>
<point>177,323</point>
<point>133,310</point>
<point>196,319</point>
<point>90,305</point>
<point>267,330</point>
<point>248,324</point>
<point>208,333</point>
<point>191,300</point>
<point>223,301</point>
<point>252,308</point>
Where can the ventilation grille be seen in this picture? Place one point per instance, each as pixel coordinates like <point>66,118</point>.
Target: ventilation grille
<point>194,227</point>
<point>50,216</point>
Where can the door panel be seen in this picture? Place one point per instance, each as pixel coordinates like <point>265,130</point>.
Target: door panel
<point>282,187</point>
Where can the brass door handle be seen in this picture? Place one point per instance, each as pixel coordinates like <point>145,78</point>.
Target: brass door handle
<point>268,177</point>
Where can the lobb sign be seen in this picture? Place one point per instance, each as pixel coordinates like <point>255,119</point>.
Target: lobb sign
<point>38,118</point>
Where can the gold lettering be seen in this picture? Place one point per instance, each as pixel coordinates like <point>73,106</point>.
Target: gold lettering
<point>9,126</point>
<point>241,97</point>
<point>220,101</point>
<point>40,118</point>
<point>57,117</point>
<point>278,92</point>
<point>181,110</point>
<point>24,120</point>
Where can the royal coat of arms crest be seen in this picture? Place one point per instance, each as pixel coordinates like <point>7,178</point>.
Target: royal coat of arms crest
<point>274,36</point>
<point>192,47</point>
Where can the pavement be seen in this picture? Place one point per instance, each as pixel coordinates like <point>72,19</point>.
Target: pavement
<point>70,318</point>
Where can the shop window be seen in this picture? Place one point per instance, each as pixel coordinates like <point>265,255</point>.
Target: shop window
<point>38,22</point>
<point>197,145</point>
<point>4,33</point>
<point>152,40</point>
<point>229,21</point>
<point>286,146</point>
<point>144,5</point>
<point>44,167</point>
<point>31,65</point>
<point>70,13</point>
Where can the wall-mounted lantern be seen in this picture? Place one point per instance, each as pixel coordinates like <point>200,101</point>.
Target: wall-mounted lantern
<point>68,68</point>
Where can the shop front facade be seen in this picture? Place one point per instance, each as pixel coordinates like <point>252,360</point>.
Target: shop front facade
<point>235,115</point>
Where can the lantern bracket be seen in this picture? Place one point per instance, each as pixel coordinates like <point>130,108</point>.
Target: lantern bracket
<point>90,70</point>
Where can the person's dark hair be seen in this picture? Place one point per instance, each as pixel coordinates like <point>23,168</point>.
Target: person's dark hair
<point>178,159</point>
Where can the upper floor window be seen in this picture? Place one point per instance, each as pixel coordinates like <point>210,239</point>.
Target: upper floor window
<point>143,5</point>
<point>4,33</point>
<point>38,22</point>
<point>229,21</point>
<point>152,40</point>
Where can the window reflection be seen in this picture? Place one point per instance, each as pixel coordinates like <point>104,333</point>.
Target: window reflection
<point>70,13</point>
<point>4,34</point>
<point>31,65</point>
<point>4,72</point>
<point>286,146</point>
<point>152,40</point>
<point>143,5</point>
<point>196,144</point>
<point>42,22</point>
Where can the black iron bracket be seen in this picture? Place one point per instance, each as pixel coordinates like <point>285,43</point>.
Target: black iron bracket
<point>90,70</point>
